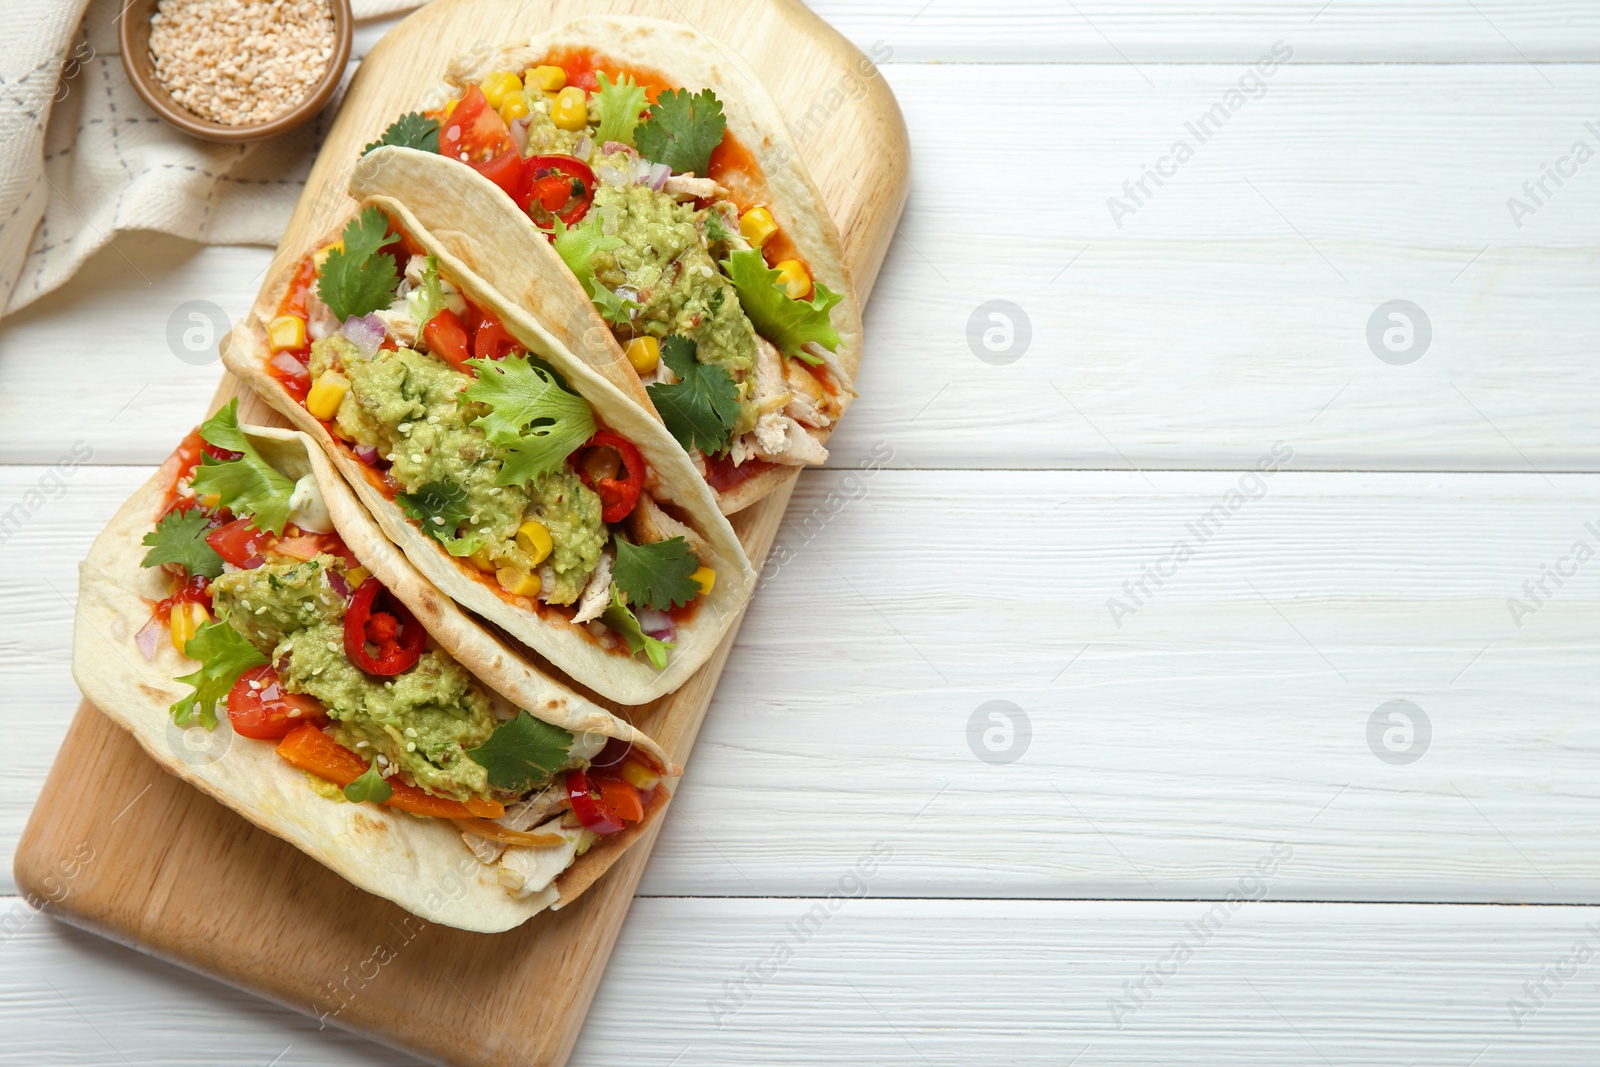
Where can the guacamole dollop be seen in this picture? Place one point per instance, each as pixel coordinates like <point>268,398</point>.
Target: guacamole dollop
<point>664,257</point>
<point>421,721</point>
<point>408,406</point>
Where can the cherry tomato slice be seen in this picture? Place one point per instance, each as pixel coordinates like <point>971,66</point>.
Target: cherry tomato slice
<point>473,132</point>
<point>556,187</point>
<point>446,336</point>
<point>505,170</point>
<point>492,341</point>
<point>239,542</point>
<point>260,707</point>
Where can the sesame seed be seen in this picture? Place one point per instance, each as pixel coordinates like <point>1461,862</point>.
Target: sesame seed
<point>411,746</point>
<point>240,62</point>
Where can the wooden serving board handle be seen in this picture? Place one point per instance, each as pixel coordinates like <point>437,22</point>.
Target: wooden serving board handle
<point>118,847</point>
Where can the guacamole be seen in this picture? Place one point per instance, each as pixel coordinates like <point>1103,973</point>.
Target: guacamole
<point>665,259</point>
<point>407,405</point>
<point>422,721</point>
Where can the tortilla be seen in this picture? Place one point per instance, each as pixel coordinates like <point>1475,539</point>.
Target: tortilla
<point>479,224</point>
<point>421,864</point>
<point>612,673</point>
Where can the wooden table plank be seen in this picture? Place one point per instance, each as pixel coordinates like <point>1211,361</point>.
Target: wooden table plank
<point>918,982</point>
<point>1118,31</point>
<point>1195,335</point>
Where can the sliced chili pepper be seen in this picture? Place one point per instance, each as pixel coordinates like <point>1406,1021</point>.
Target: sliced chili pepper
<point>617,495</point>
<point>556,187</point>
<point>594,813</point>
<point>395,631</point>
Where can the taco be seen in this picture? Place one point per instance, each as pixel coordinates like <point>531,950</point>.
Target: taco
<point>516,478</point>
<point>353,709</point>
<point>628,180</point>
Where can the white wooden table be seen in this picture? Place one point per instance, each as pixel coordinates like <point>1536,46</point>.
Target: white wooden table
<point>1187,725</point>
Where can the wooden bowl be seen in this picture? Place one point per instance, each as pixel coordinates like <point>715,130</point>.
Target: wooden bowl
<point>133,35</point>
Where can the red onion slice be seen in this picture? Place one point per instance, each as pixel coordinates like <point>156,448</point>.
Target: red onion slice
<point>657,624</point>
<point>366,333</point>
<point>367,454</point>
<point>149,637</point>
<point>583,149</point>
<point>519,134</point>
<point>657,176</point>
<point>337,583</point>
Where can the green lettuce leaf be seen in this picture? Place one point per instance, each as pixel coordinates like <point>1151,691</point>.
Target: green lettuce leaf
<point>621,618</point>
<point>248,486</point>
<point>532,419</point>
<point>620,108</point>
<point>787,323</point>
<point>224,654</point>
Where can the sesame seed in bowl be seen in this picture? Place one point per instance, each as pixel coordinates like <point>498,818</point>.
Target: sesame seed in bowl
<point>235,70</point>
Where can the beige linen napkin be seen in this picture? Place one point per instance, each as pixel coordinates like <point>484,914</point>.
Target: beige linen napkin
<point>85,159</point>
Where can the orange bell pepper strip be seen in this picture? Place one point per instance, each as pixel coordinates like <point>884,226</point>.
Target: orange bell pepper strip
<point>621,798</point>
<point>310,749</point>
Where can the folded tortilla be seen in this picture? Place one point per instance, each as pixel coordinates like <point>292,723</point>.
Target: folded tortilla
<point>422,864</point>
<point>672,478</point>
<point>480,225</point>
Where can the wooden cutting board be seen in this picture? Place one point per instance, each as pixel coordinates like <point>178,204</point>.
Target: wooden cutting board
<point>117,846</point>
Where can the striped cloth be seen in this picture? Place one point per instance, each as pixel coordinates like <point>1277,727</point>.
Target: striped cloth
<point>85,158</point>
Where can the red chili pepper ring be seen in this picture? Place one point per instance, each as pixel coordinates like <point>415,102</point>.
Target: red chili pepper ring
<point>394,630</point>
<point>617,495</point>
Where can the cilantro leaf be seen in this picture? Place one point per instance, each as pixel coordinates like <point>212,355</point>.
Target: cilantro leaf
<point>702,406</point>
<point>536,422</point>
<point>224,654</point>
<point>620,107</point>
<point>785,322</point>
<point>522,752</point>
<point>180,537</point>
<point>370,786</point>
<point>427,299</point>
<point>356,280</point>
<point>249,486</point>
<point>681,130</point>
<point>621,618</point>
<point>440,508</point>
<point>415,130</point>
<point>658,575</point>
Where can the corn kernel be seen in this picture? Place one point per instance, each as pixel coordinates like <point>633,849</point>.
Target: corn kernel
<point>187,617</point>
<point>571,109</point>
<point>757,225</point>
<point>534,539</point>
<point>286,331</point>
<point>355,576</point>
<point>705,577</point>
<point>550,79</point>
<point>514,108</point>
<point>480,559</point>
<point>639,776</point>
<point>499,85</point>
<point>795,278</point>
<point>517,581</point>
<point>326,393</point>
<point>644,353</point>
<point>321,255</point>
<point>210,500</point>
